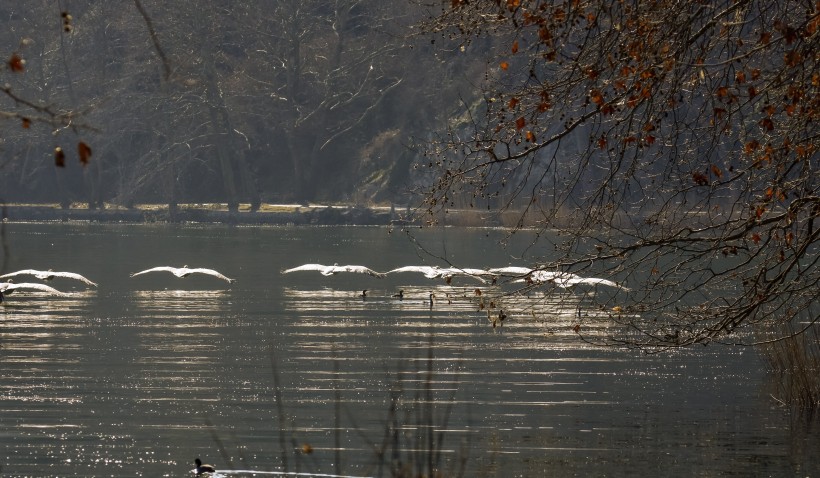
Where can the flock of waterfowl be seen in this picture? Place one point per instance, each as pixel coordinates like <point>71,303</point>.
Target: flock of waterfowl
<point>563,280</point>
<point>10,286</point>
<point>515,274</point>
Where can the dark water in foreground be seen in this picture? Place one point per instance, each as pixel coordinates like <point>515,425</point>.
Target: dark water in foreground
<point>140,375</point>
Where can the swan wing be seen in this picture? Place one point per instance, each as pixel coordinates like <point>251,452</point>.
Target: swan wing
<point>511,270</point>
<point>172,270</point>
<point>539,277</point>
<point>362,270</point>
<point>330,270</point>
<point>476,272</point>
<point>306,267</point>
<point>422,269</point>
<point>32,286</point>
<point>72,275</point>
<point>594,281</point>
<point>455,271</point>
<point>210,272</point>
<point>31,272</point>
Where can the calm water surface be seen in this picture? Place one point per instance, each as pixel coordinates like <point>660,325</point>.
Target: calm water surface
<point>141,375</point>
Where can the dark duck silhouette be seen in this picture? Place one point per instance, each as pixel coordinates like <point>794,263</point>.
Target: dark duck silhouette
<point>201,469</point>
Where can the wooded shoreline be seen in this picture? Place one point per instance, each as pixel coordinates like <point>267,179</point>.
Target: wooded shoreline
<point>213,214</point>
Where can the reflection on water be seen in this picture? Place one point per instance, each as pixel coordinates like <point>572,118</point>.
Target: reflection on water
<point>125,381</point>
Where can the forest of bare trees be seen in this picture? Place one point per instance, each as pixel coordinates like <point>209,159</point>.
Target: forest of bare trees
<point>218,102</point>
<point>668,145</point>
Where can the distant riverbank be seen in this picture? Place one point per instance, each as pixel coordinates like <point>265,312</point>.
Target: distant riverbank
<point>273,214</point>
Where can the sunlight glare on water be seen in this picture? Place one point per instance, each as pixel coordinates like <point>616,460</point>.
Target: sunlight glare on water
<point>299,373</point>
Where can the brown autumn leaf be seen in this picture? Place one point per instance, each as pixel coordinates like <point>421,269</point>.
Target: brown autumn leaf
<point>544,35</point>
<point>792,58</point>
<point>700,178</point>
<point>84,152</point>
<point>530,136</point>
<point>756,238</point>
<point>790,109</point>
<point>514,47</point>
<point>504,65</point>
<point>26,123</point>
<point>740,77</point>
<point>755,73</point>
<point>751,146</point>
<point>596,97</point>
<point>520,123</point>
<point>16,63</point>
<point>717,172</point>
<point>59,157</point>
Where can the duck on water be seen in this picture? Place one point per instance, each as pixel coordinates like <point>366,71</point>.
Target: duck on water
<point>202,469</point>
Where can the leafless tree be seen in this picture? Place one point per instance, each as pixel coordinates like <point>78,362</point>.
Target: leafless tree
<point>672,146</point>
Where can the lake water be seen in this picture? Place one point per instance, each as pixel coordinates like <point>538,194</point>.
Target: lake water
<point>296,373</point>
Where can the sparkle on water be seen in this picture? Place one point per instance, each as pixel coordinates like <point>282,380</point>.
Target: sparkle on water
<point>138,378</point>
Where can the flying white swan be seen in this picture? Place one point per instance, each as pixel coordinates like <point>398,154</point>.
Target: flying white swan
<point>466,272</point>
<point>184,271</point>
<point>359,270</point>
<point>539,277</point>
<point>430,272</point>
<point>510,271</point>
<point>7,288</point>
<point>334,269</point>
<point>565,280</point>
<point>447,273</point>
<point>48,275</point>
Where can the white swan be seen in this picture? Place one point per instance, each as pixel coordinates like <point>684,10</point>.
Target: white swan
<point>565,280</point>
<point>359,270</point>
<point>449,272</point>
<point>430,272</point>
<point>510,271</point>
<point>48,275</point>
<point>184,271</point>
<point>325,270</point>
<point>9,287</point>
<point>539,277</point>
<point>446,273</point>
<point>334,269</point>
<point>573,281</point>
